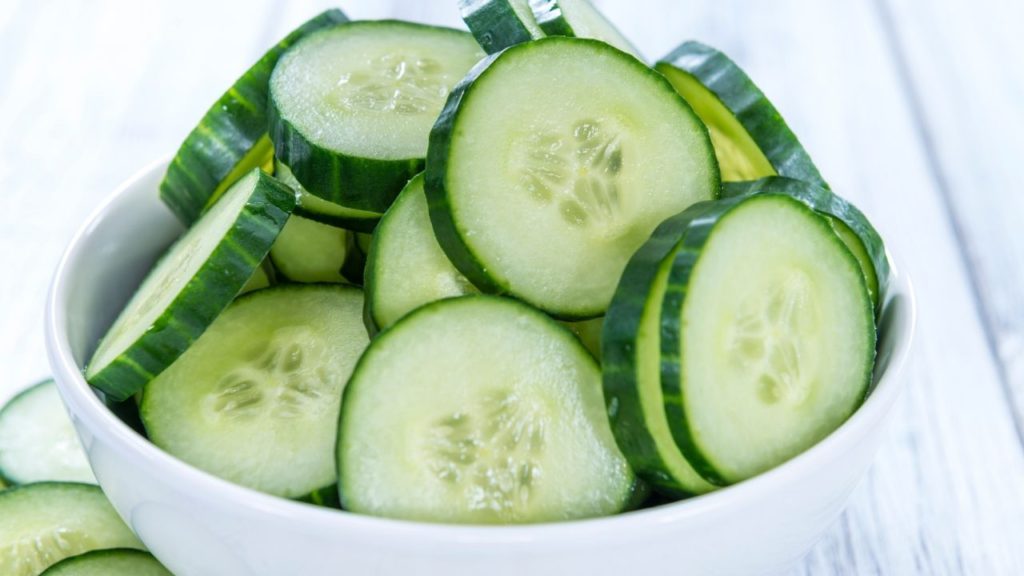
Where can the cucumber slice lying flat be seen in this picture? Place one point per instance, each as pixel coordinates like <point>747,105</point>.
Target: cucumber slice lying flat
<point>308,251</point>
<point>231,139</point>
<point>406,268</point>
<point>188,288</point>
<point>751,138</point>
<point>631,350</point>
<point>768,336</point>
<point>37,440</point>
<point>498,24</point>
<point>579,18</point>
<point>547,201</point>
<point>852,226</point>
<point>351,106</point>
<point>255,399</point>
<point>113,562</point>
<point>41,524</point>
<point>323,211</point>
<point>479,410</point>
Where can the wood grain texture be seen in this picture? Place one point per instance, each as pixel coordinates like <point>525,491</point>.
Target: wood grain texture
<point>89,92</point>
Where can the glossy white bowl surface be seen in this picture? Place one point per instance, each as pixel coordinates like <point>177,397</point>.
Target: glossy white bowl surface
<point>199,525</point>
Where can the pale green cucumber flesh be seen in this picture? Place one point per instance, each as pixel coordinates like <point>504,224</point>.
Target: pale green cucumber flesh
<point>553,207</point>
<point>479,410</point>
<point>769,336</point>
<point>38,442</point>
<point>581,19</point>
<point>351,107</point>
<point>308,251</point>
<point>231,139</point>
<point>255,400</point>
<point>198,276</point>
<point>112,562</point>
<point>43,523</point>
<point>406,267</point>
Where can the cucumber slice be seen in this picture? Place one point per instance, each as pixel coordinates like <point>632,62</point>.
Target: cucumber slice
<point>751,139</point>
<point>191,285</point>
<point>479,410</point>
<point>231,139</point>
<point>113,562</point>
<point>498,24</point>
<point>561,195</point>
<point>579,18</point>
<point>37,440</point>
<point>255,399</point>
<point>308,251</point>
<point>323,211</point>
<point>631,346</point>
<point>406,268</point>
<point>43,523</point>
<point>351,106</point>
<point>768,336</point>
<point>852,226</point>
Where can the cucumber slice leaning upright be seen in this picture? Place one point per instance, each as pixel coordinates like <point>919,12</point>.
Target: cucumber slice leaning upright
<point>768,336</point>
<point>38,442</point>
<point>479,410</point>
<point>197,278</point>
<point>580,19</point>
<point>43,523</point>
<point>498,24</point>
<point>547,200</point>
<point>231,139</point>
<point>751,138</point>
<point>351,106</point>
<point>112,562</point>
<point>255,400</point>
<point>406,268</point>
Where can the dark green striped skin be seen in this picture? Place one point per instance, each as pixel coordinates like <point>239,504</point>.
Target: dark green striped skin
<point>111,561</point>
<point>355,224</point>
<point>620,346</point>
<point>826,202</point>
<point>751,108</point>
<point>700,229</point>
<point>494,24</point>
<point>552,19</point>
<point>229,130</point>
<point>211,289</point>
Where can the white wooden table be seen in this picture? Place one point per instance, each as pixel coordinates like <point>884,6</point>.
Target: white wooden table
<point>913,110</point>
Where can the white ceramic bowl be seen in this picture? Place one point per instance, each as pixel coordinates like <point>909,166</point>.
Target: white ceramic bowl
<point>199,525</point>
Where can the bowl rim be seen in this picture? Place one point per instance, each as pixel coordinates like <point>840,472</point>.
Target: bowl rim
<point>83,403</point>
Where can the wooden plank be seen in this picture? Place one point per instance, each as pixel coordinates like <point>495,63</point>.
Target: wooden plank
<point>963,64</point>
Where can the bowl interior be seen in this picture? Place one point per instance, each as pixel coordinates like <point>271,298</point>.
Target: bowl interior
<point>112,253</point>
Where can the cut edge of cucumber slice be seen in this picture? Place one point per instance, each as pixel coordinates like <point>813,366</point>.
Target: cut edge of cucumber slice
<point>627,495</point>
<point>316,208</point>
<point>686,266</point>
<point>733,107</point>
<point>182,294</point>
<point>852,226</point>
<point>498,24</point>
<point>361,181</point>
<point>580,19</point>
<point>102,562</point>
<point>444,208</point>
<point>38,443</point>
<point>231,138</point>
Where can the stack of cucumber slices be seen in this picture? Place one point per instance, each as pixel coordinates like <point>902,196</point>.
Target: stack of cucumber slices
<point>509,275</point>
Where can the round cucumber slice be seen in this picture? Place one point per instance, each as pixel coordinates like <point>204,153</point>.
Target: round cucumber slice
<point>113,562</point>
<point>231,139</point>
<point>406,268</point>
<point>351,106</point>
<point>197,278</point>
<point>38,442</point>
<point>255,400</point>
<point>43,523</point>
<point>751,139</point>
<point>768,336</point>
<point>323,211</point>
<point>479,410</point>
<point>553,205</point>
